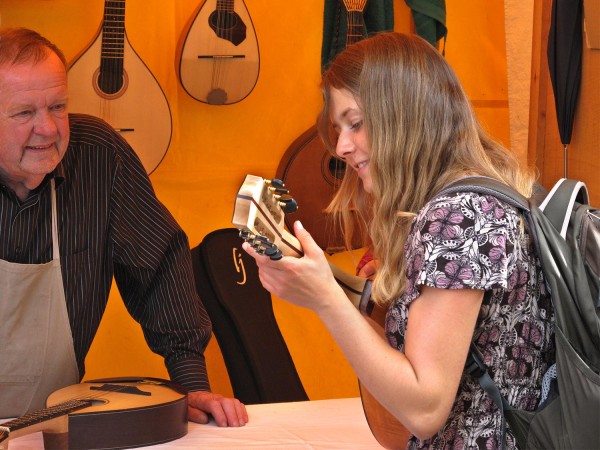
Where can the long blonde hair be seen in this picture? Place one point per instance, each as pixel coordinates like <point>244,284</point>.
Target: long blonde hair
<point>422,134</point>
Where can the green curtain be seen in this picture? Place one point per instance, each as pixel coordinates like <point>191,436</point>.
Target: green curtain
<point>430,19</point>
<point>377,15</point>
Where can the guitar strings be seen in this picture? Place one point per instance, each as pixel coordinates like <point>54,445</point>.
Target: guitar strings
<point>223,23</point>
<point>354,31</point>
<point>71,405</point>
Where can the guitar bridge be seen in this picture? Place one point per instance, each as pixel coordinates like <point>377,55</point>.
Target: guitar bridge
<point>120,388</point>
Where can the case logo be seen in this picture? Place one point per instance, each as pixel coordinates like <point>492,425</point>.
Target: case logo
<point>239,265</point>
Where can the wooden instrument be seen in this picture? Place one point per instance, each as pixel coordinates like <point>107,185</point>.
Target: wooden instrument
<point>219,60</point>
<point>109,80</point>
<point>259,211</point>
<point>108,413</point>
<point>312,170</point>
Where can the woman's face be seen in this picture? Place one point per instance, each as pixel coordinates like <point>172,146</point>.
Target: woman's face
<point>347,120</point>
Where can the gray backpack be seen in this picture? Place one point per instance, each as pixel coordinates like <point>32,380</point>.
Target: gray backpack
<point>567,234</point>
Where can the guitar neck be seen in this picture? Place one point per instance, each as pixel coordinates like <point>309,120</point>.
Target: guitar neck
<point>258,211</point>
<point>355,31</point>
<point>357,289</point>
<point>225,5</point>
<point>53,419</point>
<point>113,28</point>
<point>355,27</point>
<point>113,47</point>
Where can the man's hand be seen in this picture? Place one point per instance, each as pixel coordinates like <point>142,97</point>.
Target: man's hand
<point>227,412</point>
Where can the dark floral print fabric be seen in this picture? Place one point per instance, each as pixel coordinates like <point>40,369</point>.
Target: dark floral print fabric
<point>472,241</point>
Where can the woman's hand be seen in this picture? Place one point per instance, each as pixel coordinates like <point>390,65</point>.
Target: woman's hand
<point>305,281</point>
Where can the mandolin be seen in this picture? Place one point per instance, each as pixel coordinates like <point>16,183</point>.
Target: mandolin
<point>109,80</point>
<point>108,413</point>
<point>259,214</point>
<point>311,169</point>
<point>219,59</point>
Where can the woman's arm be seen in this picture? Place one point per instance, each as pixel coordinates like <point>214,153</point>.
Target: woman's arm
<point>419,386</point>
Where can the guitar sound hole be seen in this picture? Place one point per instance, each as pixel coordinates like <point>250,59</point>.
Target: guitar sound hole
<point>95,401</point>
<point>337,168</point>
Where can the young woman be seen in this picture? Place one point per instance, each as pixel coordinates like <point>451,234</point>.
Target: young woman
<point>395,112</point>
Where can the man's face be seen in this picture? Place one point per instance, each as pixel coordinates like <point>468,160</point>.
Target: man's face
<point>34,126</point>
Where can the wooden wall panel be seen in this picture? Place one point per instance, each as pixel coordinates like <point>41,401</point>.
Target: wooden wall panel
<point>545,148</point>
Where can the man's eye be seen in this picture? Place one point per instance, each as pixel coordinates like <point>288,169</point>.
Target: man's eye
<point>59,107</point>
<point>22,115</point>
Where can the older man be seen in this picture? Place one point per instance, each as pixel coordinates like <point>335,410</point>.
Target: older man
<point>76,209</point>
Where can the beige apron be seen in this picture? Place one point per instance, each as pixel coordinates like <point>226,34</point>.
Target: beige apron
<point>36,346</point>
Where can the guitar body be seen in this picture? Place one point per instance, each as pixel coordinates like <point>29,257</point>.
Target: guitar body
<point>314,175</point>
<point>219,62</point>
<point>388,431</point>
<point>148,414</point>
<point>139,109</point>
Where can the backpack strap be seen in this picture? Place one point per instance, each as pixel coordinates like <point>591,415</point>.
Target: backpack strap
<point>489,186</point>
<point>478,370</point>
<point>502,191</point>
<point>559,203</point>
<point>474,365</point>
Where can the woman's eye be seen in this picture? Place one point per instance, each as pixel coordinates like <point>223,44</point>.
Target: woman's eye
<point>357,125</point>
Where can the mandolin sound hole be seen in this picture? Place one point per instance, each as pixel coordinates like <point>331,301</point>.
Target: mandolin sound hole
<point>228,25</point>
<point>109,90</point>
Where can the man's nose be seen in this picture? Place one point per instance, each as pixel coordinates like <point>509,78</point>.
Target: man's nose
<point>44,123</point>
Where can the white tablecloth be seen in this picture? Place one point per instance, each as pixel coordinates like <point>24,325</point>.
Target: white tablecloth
<point>318,424</point>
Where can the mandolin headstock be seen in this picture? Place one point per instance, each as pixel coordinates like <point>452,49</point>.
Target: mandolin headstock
<point>259,213</point>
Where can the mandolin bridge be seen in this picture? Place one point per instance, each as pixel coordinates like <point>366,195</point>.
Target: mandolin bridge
<point>120,388</point>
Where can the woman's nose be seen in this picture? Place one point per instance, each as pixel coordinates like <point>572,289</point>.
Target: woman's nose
<point>344,145</point>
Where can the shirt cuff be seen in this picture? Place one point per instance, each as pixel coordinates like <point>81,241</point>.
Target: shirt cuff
<point>190,373</point>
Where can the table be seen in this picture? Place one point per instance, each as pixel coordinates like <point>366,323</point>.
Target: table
<point>317,424</point>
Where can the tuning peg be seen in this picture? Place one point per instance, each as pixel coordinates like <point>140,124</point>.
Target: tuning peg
<point>274,253</point>
<point>277,183</point>
<point>288,204</point>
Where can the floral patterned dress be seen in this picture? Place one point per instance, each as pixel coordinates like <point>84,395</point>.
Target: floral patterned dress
<point>471,241</point>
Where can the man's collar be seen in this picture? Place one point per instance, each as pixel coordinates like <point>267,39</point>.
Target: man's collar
<point>58,173</point>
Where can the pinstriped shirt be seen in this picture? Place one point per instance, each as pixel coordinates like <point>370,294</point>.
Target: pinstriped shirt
<point>111,224</point>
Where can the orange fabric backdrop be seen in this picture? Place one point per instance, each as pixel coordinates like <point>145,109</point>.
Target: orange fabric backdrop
<point>213,147</point>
